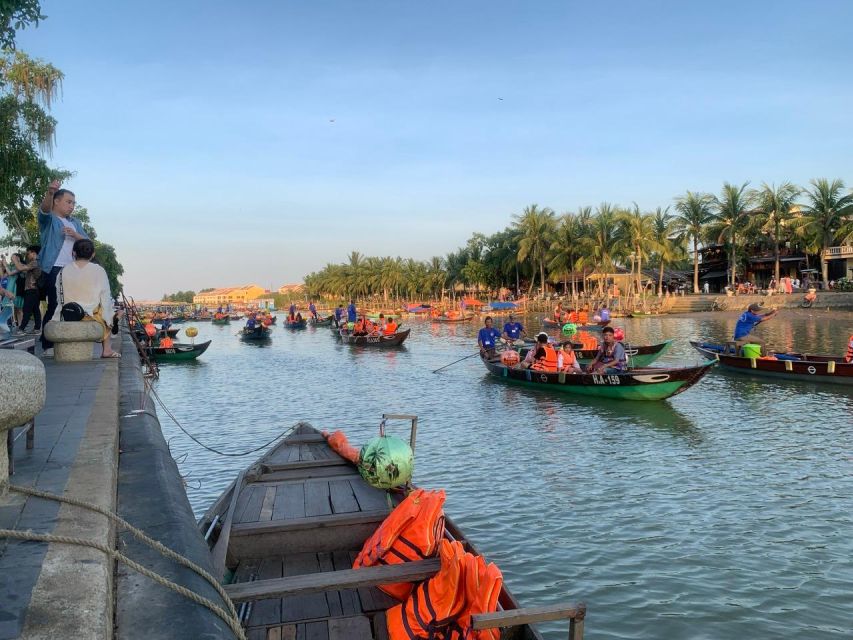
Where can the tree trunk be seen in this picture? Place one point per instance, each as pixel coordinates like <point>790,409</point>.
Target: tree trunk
<point>695,264</point>
<point>532,282</point>
<point>639,272</point>
<point>734,262</point>
<point>517,282</point>
<point>824,268</point>
<point>660,280</point>
<point>776,252</point>
<point>542,276</point>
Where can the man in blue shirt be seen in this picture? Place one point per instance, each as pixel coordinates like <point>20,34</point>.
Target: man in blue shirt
<point>513,330</point>
<point>748,320</point>
<point>488,338</point>
<point>313,309</point>
<point>352,314</point>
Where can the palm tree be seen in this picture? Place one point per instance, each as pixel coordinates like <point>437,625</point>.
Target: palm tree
<point>773,211</point>
<point>730,217</point>
<point>601,241</point>
<point>536,227</point>
<point>668,245</point>
<point>565,247</point>
<point>693,213</point>
<point>826,217</point>
<point>635,231</point>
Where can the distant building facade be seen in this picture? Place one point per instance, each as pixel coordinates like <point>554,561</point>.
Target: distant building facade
<point>229,295</point>
<point>291,289</point>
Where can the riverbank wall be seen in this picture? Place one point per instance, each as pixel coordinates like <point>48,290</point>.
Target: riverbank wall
<point>97,440</point>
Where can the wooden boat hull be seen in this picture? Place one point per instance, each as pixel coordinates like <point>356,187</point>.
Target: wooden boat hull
<point>653,383</point>
<point>638,355</point>
<point>301,514</point>
<point>443,319</point>
<point>322,322</point>
<point>179,352</point>
<point>378,342</point>
<point>296,325</point>
<point>221,321</point>
<point>255,335</point>
<point>799,367</point>
<point>548,323</point>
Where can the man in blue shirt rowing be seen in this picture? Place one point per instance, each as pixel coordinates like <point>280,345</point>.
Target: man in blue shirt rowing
<point>513,330</point>
<point>487,338</point>
<point>748,320</point>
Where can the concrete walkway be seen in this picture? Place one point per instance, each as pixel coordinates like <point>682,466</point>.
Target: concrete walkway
<point>57,590</point>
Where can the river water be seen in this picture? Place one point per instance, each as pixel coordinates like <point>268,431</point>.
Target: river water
<point>724,512</point>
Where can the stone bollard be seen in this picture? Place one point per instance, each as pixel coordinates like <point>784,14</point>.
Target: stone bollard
<point>73,340</point>
<point>21,398</point>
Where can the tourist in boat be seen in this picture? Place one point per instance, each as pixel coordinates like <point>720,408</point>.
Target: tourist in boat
<point>545,358</point>
<point>558,312</point>
<point>390,327</point>
<point>313,309</point>
<point>611,357</point>
<point>513,330</point>
<point>352,313</point>
<point>166,342</point>
<point>251,322</point>
<point>604,313</point>
<point>748,320</point>
<point>567,361</point>
<point>488,337</point>
<point>360,328</point>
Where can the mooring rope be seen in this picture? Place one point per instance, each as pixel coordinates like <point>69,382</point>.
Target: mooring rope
<point>230,616</point>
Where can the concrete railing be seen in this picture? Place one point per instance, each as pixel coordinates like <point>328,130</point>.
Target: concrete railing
<point>22,395</point>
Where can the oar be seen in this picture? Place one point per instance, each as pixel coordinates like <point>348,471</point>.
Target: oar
<point>452,363</point>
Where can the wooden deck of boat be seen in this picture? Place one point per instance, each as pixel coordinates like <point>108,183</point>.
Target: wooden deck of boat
<point>307,512</point>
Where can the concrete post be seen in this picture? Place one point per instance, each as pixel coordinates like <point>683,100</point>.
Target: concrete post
<point>21,398</point>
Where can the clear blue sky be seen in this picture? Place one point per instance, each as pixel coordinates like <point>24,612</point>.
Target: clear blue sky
<point>202,138</point>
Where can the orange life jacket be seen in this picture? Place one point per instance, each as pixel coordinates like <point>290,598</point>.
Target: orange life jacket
<point>569,359</point>
<point>166,343</point>
<point>587,340</point>
<point>849,356</point>
<point>390,328</point>
<point>442,606</point>
<point>574,317</point>
<point>436,603</point>
<point>411,532</point>
<point>583,317</point>
<point>549,363</point>
<point>340,445</point>
<point>359,327</point>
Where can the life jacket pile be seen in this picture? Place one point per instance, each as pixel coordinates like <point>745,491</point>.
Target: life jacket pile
<point>340,445</point>
<point>441,607</point>
<point>587,340</point>
<point>412,531</point>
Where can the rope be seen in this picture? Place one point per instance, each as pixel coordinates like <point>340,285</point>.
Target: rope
<point>204,446</point>
<point>231,620</point>
<point>137,533</point>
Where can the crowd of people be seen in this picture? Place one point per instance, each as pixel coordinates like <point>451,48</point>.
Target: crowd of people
<point>59,271</point>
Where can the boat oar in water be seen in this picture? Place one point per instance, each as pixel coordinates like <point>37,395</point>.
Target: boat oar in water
<point>452,363</point>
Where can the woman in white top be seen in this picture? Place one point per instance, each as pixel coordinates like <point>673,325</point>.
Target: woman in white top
<point>86,283</point>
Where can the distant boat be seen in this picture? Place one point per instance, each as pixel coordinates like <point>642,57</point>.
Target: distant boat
<point>295,324</point>
<point>178,352</point>
<point>260,332</point>
<point>376,341</point>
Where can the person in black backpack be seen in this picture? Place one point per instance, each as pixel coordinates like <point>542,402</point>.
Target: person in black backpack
<point>32,273</point>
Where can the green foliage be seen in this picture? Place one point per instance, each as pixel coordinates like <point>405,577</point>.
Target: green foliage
<point>105,255</point>
<point>16,15</point>
<point>180,296</point>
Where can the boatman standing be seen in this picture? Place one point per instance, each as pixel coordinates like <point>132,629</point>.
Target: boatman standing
<point>352,314</point>
<point>748,320</point>
<point>488,338</point>
<point>313,309</point>
<point>513,330</point>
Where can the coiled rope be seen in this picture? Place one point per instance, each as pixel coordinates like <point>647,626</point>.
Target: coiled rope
<point>230,616</point>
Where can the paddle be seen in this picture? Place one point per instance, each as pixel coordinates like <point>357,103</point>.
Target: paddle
<point>452,363</point>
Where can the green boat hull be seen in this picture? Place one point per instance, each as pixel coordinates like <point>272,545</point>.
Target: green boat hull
<point>181,352</point>
<point>657,392</point>
<point>222,321</point>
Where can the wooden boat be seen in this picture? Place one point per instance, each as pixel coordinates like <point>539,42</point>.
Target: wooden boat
<point>286,533</point>
<point>221,321</point>
<point>295,324</point>
<point>322,322</point>
<point>178,352</point>
<point>802,367</point>
<point>260,332</point>
<point>645,314</point>
<point>638,355</point>
<point>549,323</point>
<point>179,320</point>
<point>451,319</point>
<point>161,333</point>
<point>380,341</point>
<point>641,383</point>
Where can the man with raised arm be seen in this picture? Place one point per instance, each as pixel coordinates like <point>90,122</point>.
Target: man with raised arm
<point>58,231</point>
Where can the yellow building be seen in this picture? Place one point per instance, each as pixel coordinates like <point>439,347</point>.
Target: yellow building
<point>229,295</point>
<point>291,289</point>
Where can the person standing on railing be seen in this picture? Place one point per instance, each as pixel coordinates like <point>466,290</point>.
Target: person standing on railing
<point>58,231</point>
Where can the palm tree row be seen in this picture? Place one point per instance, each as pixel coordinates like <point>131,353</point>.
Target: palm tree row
<point>540,246</point>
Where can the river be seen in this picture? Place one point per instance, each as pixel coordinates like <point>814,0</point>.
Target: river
<point>724,512</point>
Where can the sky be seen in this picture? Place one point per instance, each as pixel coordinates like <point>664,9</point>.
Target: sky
<point>217,143</point>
